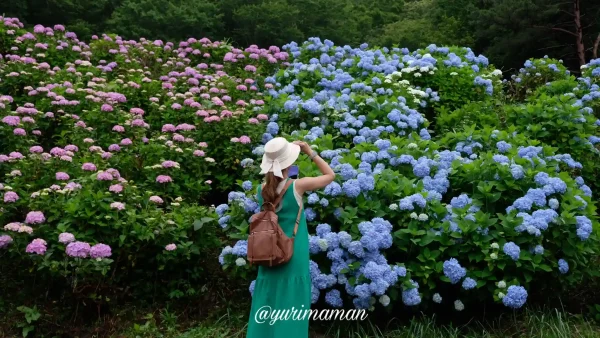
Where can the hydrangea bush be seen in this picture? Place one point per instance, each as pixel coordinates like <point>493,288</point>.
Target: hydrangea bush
<point>113,150</point>
<point>476,214</point>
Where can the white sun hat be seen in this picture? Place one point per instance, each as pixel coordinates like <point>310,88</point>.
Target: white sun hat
<point>279,154</point>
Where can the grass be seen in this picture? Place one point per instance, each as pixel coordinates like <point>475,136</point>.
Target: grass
<point>549,323</point>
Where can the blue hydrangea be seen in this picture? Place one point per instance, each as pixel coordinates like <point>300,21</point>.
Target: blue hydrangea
<point>512,250</point>
<point>503,147</point>
<point>501,159</point>
<point>517,171</point>
<point>351,188</point>
<point>251,288</point>
<point>240,248</point>
<point>563,266</point>
<point>273,128</point>
<point>313,198</point>
<point>538,250</point>
<point>453,270</point>
<point>411,297</point>
<point>334,298</point>
<point>333,189</point>
<point>461,201</point>
<point>469,283</point>
<point>515,297</point>
<point>221,209</point>
<point>223,221</point>
<point>310,214</point>
<point>315,293</point>
<point>584,227</point>
<point>247,185</point>
<point>356,248</point>
<point>366,182</point>
<point>324,202</point>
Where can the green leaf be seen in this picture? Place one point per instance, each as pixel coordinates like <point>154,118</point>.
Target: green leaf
<point>199,223</point>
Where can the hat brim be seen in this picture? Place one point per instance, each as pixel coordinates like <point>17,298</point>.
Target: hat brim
<point>290,158</point>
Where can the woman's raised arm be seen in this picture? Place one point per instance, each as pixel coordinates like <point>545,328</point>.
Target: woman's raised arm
<point>314,183</point>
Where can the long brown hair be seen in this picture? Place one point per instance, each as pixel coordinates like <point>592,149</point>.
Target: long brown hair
<point>269,191</point>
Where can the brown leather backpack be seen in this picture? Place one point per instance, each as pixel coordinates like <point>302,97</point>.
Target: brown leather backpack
<point>268,245</point>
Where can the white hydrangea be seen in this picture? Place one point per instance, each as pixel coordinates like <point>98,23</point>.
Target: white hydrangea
<point>323,244</point>
<point>437,298</point>
<point>240,262</point>
<point>384,300</point>
<point>393,206</point>
<point>458,305</point>
<point>423,217</point>
<point>501,284</point>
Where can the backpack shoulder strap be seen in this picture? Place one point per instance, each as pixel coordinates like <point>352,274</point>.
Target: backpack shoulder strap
<point>298,217</point>
<point>280,197</point>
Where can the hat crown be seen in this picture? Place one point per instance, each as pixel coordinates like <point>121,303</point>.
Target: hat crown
<point>276,147</point>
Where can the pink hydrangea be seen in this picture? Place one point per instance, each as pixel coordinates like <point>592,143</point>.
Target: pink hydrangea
<point>117,205</point>
<point>262,117</point>
<point>116,188</point>
<point>118,129</point>
<point>163,179</point>
<point>244,139</point>
<point>168,128</point>
<point>104,176</point>
<point>36,150</point>
<point>62,176</point>
<point>66,238</point>
<point>88,166</point>
<point>156,199</point>
<point>114,147</point>
<point>170,164</point>
<point>10,197</point>
<point>37,246</point>
<point>253,120</point>
<point>78,249</point>
<point>13,226</point>
<point>35,217</point>
<point>100,251</point>
<point>171,247</point>
<point>19,132</point>
<point>107,108</point>
<point>136,111</point>
<point>72,147</point>
<point>106,155</point>
<point>198,153</point>
<point>11,120</point>
<point>125,142</point>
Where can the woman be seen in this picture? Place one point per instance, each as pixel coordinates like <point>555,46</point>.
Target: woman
<point>286,287</point>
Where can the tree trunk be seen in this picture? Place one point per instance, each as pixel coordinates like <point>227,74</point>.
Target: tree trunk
<point>596,44</point>
<point>579,32</point>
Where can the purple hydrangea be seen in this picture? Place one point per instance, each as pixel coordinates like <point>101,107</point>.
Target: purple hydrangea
<point>37,246</point>
<point>5,240</point>
<point>78,249</point>
<point>100,251</point>
<point>35,217</point>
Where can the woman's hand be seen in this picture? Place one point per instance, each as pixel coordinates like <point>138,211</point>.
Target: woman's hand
<point>304,147</point>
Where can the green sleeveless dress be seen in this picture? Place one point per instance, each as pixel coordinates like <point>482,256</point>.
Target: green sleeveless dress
<point>283,291</point>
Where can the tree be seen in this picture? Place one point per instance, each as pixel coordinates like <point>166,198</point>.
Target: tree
<point>166,19</point>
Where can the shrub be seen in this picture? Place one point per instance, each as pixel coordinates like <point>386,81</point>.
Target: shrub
<point>111,153</point>
<point>480,214</point>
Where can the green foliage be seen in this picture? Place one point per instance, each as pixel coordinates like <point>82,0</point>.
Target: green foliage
<point>161,19</point>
